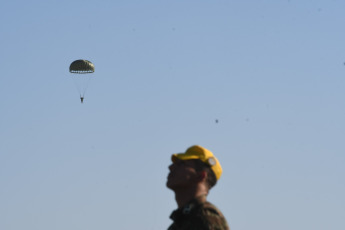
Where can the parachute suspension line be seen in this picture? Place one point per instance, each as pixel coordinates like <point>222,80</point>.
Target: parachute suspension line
<point>81,83</point>
<point>86,86</point>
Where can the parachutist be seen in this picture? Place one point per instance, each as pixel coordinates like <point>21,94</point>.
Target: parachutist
<point>81,99</point>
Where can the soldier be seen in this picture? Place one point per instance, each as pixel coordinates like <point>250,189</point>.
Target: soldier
<point>192,175</point>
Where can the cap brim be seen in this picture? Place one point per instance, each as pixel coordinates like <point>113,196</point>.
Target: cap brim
<point>183,157</point>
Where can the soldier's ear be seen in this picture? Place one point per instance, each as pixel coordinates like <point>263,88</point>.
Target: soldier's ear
<point>202,175</point>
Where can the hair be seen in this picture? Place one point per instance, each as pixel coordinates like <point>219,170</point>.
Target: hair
<point>211,177</point>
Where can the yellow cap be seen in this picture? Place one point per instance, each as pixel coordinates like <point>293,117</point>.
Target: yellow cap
<point>205,155</point>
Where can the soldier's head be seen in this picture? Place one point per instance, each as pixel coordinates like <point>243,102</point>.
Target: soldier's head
<point>192,166</point>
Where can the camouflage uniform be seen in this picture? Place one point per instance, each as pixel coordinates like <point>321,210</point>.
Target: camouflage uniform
<point>198,215</point>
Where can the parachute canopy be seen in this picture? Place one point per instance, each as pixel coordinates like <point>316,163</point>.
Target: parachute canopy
<point>81,66</point>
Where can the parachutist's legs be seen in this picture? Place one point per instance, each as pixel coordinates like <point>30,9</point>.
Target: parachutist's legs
<point>82,99</point>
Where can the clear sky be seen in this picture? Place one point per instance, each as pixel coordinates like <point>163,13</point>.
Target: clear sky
<point>271,72</point>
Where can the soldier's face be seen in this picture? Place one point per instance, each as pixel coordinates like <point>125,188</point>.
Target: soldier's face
<point>182,175</point>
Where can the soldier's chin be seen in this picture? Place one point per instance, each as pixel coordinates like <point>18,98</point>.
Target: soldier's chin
<point>170,185</point>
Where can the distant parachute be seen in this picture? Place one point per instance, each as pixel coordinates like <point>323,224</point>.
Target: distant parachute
<point>81,70</point>
<point>81,66</point>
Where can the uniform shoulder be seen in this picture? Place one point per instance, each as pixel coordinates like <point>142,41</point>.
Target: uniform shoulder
<point>211,208</point>
<point>213,217</point>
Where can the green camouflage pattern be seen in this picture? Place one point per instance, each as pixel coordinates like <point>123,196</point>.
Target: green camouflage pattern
<point>197,215</point>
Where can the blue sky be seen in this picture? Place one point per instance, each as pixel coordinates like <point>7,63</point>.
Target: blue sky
<point>271,72</point>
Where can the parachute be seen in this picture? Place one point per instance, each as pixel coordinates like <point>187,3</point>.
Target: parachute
<point>81,70</point>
